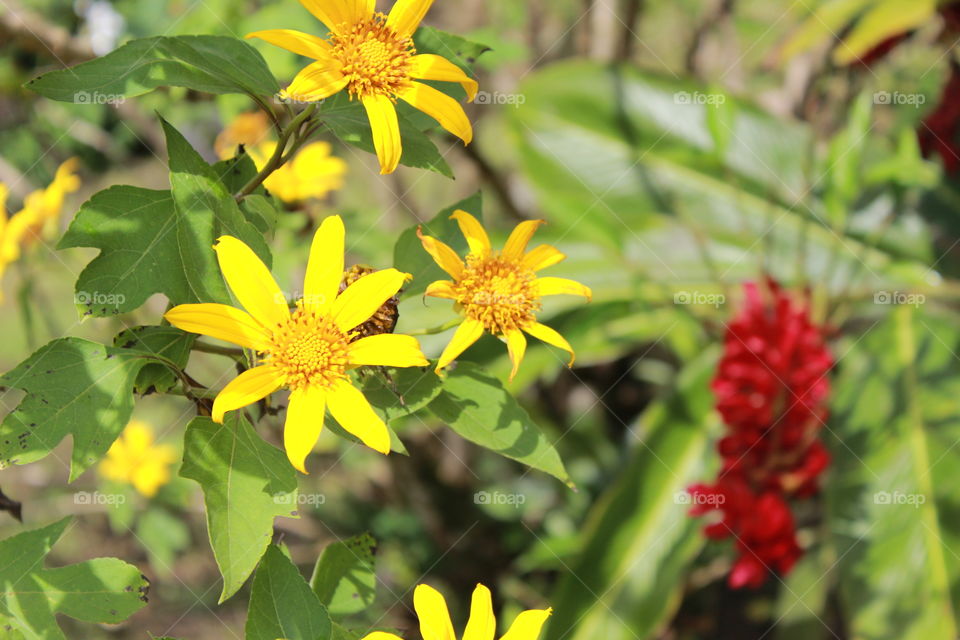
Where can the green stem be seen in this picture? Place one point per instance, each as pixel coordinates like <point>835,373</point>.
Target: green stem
<point>278,158</point>
<point>206,347</point>
<point>435,330</point>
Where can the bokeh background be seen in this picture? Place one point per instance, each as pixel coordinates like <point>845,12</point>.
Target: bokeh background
<point>677,148</point>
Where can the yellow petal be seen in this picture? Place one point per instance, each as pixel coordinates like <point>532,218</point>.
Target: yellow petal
<point>441,108</point>
<point>386,350</point>
<point>362,298</point>
<point>221,322</point>
<point>516,345</point>
<point>481,625</point>
<point>520,237</point>
<point>350,408</point>
<point>407,15</point>
<point>441,289</point>
<point>247,388</point>
<point>528,624</point>
<point>542,256</point>
<point>382,114</point>
<point>442,254</point>
<point>473,231</point>
<point>433,614</point>
<point>324,266</point>
<point>428,66</point>
<point>381,635</point>
<point>315,82</point>
<point>304,424</point>
<point>550,336</point>
<point>465,335</point>
<point>561,286</point>
<point>251,282</point>
<point>339,15</point>
<point>300,43</point>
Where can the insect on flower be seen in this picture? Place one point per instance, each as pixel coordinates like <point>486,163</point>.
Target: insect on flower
<point>310,350</point>
<point>499,291</point>
<point>372,56</point>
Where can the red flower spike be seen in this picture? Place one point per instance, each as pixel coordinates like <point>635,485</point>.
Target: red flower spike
<point>771,387</point>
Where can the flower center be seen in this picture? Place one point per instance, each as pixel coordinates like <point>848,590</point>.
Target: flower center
<point>374,59</point>
<point>498,292</point>
<point>309,349</point>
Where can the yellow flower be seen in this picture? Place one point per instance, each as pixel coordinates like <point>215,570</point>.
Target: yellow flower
<point>311,350</point>
<point>313,173</point>
<point>40,209</point>
<point>435,621</point>
<point>372,56</point>
<point>247,129</point>
<point>498,291</point>
<point>135,459</point>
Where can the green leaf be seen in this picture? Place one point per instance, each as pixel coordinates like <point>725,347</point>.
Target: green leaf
<point>410,257</point>
<point>345,578</point>
<point>158,241</point>
<point>198,193</point>
<point>886,18</point>
<point>211,64</point>
<point>74,387</point>
<point>246,484</point>
<point>347,119</point>
<point>459,51</point>
<point>103,590</point>
<point>639,539</point>
<point>477,407</point>
<point>626,159</point>
<point>892,506</point>
<point>160,341</point>
<point>402,392</point>
<point>282,605</point>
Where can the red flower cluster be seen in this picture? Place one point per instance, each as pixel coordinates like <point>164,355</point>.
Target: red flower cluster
<point>771,387</point>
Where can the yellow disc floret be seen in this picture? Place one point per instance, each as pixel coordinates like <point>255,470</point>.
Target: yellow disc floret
<point>309,349</point>
<point>375,59</point>
<point>499,292</point>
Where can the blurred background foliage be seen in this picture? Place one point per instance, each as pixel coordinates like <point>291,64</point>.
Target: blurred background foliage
<point>677,148</point>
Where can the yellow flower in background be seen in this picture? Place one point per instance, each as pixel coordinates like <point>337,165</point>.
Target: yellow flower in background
<point>248,129</point>
<point>312,173</point>
<point>498,292</point>
<point>310,350</point>
<point>435,623</point>
<point>135,459</point>
<point>41,209</point>
<point>372,56</point>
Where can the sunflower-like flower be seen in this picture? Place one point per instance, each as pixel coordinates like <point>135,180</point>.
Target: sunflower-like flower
<point>372,56</point>
<point>309,350</point>
<point>135,458</point>
<point>435,623</point>
<point>499,291</point>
